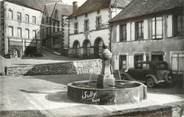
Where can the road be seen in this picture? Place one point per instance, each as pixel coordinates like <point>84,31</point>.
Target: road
<point>48,57</point>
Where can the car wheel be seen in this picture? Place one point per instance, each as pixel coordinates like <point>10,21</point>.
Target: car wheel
<point>150,82</point>
<point>169,79</point>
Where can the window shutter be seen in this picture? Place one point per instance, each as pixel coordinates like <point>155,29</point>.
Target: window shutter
<point>116,62</point>
<point>169,26</point>
<point>133,31</point>
<point>128,32</point>
<point>131,62</point>
<point>117,33</point>
<point>145,29</point>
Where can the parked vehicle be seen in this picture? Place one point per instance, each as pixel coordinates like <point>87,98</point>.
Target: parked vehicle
<point>151,73</point>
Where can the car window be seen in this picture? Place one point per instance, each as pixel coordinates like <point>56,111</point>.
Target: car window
<point>162,66</point>
<point>146,66</point>
<point>139,66</point>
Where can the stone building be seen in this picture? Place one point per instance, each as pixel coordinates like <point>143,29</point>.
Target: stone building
<point>149,30</point>
<point>55,26</point>
<point>89,27</point>
<point>20,28</point>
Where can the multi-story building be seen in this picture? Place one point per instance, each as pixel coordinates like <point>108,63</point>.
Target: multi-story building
<point>20,28</point>
<point>89,27</point>
<point>55,26</point>
<point>149,30</point>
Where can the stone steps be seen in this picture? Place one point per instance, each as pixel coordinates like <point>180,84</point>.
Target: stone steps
<point>74,67</point>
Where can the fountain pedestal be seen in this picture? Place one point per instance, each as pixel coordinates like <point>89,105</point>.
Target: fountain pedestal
<point>106,90</point>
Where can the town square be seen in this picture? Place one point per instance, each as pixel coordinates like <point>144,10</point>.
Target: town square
<point>92,58</point>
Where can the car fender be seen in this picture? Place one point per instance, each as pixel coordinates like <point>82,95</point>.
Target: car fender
<point>154,78</point>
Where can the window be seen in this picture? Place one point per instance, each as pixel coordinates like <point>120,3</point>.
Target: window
<point>27,18</point>
<point>157,56</point>
<point>34,34</point>
<point>56,14</point>
<point>58,26</point>
<point>157,28</point>
<point>139,30</point>
<point>34,19</point>
<point>98,22</point>
<point>54,26</point>
<point>19,32</point>
<point>123,62</point>
<point>177,61</point>
<point>76,28</point>
<point>47,30</point>
<point>10,31</point>
<point>86,25</point>
<point>178,25</point>
<point>10,14</point>
<point>47,20</point>
<point>19,16</point>
<point>123,33</point>
<point>137,59</point>
<point>27,33</point>
<point>76,48</point>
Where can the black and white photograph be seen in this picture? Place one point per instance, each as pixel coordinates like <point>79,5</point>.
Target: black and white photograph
<point>91,58</point>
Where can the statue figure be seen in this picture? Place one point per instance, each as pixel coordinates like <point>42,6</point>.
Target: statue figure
<point>106,79</point>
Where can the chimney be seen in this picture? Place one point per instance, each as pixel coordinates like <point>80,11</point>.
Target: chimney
<point>75,6</point>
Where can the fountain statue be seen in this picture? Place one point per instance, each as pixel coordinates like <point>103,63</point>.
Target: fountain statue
<point>106,79</point>
<point>106,90</point>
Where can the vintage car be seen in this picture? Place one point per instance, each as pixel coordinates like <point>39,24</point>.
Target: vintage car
<point>151,73</point>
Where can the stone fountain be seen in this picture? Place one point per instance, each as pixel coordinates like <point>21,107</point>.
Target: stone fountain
<point>106,90</point>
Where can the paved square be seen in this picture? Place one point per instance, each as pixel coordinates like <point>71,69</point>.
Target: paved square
<point>48,95</point>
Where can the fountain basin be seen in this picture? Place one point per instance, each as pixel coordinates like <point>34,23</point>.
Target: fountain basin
<point>123,92</point>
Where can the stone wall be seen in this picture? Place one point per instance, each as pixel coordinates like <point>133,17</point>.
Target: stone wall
<point>75,67</point>
<point>1,65</point>
<point>156,111</point>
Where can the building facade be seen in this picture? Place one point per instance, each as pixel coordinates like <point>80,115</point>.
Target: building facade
<point>89,27</point>
<point>55,26</point>
<point>149,30</point>
<point>20,29</point>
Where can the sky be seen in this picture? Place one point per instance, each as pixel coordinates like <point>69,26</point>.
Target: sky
<point>80,2</point>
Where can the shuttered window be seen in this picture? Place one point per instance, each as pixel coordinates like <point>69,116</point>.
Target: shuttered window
<point>177,61</point>
<point>123,33</point>
<point>157,28</point>
<point>139,30</point>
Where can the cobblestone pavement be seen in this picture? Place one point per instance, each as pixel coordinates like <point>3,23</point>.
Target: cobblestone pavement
<point>46,96</point>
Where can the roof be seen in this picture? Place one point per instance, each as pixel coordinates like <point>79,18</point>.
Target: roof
<point>62,9</point>
<point>34,4</point>
<point>145,7</point>
<point>95,5</point>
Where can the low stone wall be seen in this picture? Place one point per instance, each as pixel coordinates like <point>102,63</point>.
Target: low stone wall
<point>1,65</point>
<point>76,67</point>
<point>156,111</point>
